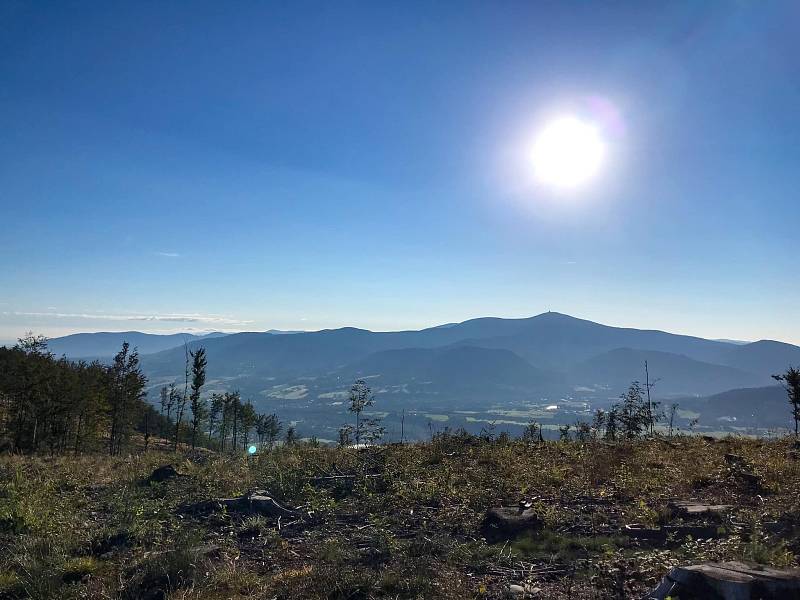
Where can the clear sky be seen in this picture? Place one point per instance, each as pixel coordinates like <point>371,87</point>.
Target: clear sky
<point>172,166</point>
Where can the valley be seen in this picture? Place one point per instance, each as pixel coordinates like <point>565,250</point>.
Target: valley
<point>484,373</point>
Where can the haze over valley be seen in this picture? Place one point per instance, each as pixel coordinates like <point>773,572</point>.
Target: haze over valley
<point>482,373</point>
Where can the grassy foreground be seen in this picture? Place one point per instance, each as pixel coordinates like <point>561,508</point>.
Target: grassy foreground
<point>388,522</point>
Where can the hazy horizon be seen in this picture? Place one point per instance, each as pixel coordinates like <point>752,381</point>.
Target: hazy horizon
<point>135,326</point>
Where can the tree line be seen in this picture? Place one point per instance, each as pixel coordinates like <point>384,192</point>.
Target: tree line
<point>53,404</point>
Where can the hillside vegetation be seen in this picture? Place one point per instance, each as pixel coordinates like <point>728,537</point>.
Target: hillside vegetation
<point>394,521</point>
<point>551,367</point>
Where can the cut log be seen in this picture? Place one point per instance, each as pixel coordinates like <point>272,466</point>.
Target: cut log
<point>694,509</point>
<point>522,591</point>
<point>728,581</point>
<point>257,502</point>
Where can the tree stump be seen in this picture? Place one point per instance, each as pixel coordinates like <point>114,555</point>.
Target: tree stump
<point>163,473</point>
<point>694,509</point>
<point>728,581</point>
<point>503,523</point>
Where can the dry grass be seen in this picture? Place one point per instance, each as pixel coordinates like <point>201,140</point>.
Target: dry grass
<point>406,525</point>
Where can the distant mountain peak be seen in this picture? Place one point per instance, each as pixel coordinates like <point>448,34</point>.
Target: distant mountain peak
<point>557,316</point>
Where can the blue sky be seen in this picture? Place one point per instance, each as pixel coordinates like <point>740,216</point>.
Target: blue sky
<point>172,166</point>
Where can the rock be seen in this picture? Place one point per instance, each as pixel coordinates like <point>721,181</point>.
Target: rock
<point>504,523</point>
<point>694,509</point>
<point>728,581</point>
<point>163,473</point>
<point>516,590</point>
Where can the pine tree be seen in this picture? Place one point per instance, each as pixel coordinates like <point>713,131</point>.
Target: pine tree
<point>248,418</point>
<point>126,394</point>
<point>181,399</point>
<point>791,383</point>
<point>368,429</point>
<point>214,413</point>
<point>198,406</point>
<point>291,436</point>
<point>273,427</point>
<point>164,403</point>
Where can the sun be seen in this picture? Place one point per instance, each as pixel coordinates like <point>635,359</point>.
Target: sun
<point>567,153</point>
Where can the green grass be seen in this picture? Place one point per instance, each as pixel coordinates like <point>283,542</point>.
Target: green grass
<point>550,545</point>
<point>406,525</point>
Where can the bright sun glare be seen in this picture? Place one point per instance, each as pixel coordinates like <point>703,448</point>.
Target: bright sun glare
<point>567,153</point>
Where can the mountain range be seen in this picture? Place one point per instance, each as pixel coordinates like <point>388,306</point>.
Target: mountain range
<point>106,344</point>
<point>480,363</point>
